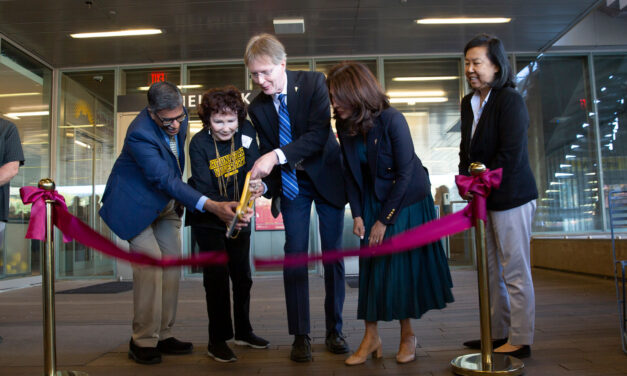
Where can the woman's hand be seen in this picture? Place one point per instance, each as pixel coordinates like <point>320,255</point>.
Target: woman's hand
<point>468,196</point>
<point>358,227</point>
<point>376,233</point>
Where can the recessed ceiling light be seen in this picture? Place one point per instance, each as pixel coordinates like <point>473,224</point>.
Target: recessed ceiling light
<point>462,20</point>
<point>289,26</point>
<point>118,33</point>
<point>145,88</point>
<point>420,93</point>
<point>18,115</point>
<point>426,78</point>
<point>18,95</point>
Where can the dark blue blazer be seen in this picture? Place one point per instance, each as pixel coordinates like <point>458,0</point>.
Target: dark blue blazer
<point>313,146</point>
<point>145,177</point>
<point>500,141</point>
<point>399,177</point>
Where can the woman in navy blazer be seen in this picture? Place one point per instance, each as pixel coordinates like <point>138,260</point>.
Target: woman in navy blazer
<point>389,192</point>
<point>494,132</point>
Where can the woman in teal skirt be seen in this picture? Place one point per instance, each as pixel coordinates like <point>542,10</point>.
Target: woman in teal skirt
<point>389,193</point>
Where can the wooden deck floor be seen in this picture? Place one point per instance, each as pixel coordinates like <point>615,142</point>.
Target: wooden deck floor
<point>576,332</point>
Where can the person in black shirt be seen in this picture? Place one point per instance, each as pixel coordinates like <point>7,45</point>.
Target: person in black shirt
<point>221,154</point>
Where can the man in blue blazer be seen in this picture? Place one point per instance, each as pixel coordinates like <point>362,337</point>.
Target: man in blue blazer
<point>300,164</point>
<point>143,203</point>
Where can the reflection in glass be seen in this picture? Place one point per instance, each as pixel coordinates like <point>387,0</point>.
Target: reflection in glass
<point>85,158</point>
<point>25,101</point>
<point>611,86</point>
<point>562,147</point>
<point>427,92</point>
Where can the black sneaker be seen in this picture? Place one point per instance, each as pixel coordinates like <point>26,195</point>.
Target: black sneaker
<point>301,349</point>
<point>143,355</point>
<point>173,346</point>
<point>336,343</point>
<point>221,352</point>
<point>253,341</point>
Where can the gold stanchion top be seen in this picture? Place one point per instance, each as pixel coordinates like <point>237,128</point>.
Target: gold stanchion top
<point>476,168</point>
<point>47,184</point>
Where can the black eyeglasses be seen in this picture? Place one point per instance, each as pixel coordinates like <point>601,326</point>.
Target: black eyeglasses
<point>168,121</point>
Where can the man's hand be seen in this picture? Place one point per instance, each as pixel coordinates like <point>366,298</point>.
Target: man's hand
<point>224,210</point>
<point>256,188</point>
<point>376,233</point>
<point>264,165</point>
<point>358,227</point>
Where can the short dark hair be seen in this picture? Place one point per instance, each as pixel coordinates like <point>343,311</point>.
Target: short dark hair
<point>221,99</point>
<point>353,85</point>
<point>497,55</point>
<point>164,95</point>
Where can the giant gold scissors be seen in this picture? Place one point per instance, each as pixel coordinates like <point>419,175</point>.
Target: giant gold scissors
<point>245,202</point>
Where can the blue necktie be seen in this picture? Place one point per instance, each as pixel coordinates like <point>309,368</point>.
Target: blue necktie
<point>288,177</point>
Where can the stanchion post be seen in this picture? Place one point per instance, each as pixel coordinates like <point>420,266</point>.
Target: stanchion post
<point>487,362</point>
<point>47,280</point>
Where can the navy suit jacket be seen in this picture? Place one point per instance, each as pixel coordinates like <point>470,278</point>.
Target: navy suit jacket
<point>500,141</point>
<point>144,178</point>
<point>399,177</point>
<point>313,146</point>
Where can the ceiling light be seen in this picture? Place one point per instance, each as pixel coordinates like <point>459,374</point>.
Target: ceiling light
<point>80,143</point>
<point>17,115</point>
<point>18,95</point>
<point>145,88</point>
<point>462,20</point>
<point>419,93</point>
<point>118,33</point>
<point>413,100</point>
<point>433,78</point>
<point>289,26</point>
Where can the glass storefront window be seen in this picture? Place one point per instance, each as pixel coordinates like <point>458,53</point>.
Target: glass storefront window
<point>25,96</point>
<point>85,152</point>
<point>611,90</point>
<point>562,143</point>
<point>428,93</point>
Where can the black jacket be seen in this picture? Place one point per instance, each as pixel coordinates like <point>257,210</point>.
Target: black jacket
<point>500,140</point>
<point>313,145</point>
<point>399,177</point>
<point>206,168</point>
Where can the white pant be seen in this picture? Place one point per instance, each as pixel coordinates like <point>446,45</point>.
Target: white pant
<point>512,300</point>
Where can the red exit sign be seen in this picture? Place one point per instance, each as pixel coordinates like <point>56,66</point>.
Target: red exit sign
<point>157,77</point>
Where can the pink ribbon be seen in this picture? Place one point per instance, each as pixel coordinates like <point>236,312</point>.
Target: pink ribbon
<point>74,228</point>
<point>480,186</point>
<point>427,233</point>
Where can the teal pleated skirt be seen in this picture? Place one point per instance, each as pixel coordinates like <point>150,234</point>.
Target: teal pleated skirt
<point>403,285</point>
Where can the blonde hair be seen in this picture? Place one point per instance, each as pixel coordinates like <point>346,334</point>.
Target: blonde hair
<point>264,45</point>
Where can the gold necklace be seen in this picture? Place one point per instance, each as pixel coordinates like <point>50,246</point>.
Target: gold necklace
<point>222,181</point>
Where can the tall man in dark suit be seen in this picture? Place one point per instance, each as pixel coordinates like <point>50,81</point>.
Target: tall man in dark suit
<point>300,164</point>
<point>143,203</point>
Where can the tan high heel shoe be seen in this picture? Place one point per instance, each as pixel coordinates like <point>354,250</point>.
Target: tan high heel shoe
<point>376,350</point>
<point>408,356</point>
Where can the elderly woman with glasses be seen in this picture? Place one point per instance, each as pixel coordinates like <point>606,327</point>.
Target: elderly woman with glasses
<point>221,154</point>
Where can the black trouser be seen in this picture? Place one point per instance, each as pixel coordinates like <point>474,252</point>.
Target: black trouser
<point>216,282</point>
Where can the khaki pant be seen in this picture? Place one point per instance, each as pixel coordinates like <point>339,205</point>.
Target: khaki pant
<point>512,299</point>
<point>155,290</point>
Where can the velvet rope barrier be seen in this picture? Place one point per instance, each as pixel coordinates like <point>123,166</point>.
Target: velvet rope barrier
<point>74,228</point>
<point>479,186</point>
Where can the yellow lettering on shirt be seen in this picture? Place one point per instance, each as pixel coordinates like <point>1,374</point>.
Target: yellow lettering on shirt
<point>229,164</point>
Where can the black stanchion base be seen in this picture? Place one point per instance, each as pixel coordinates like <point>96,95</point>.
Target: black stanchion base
<point>471,365</point>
